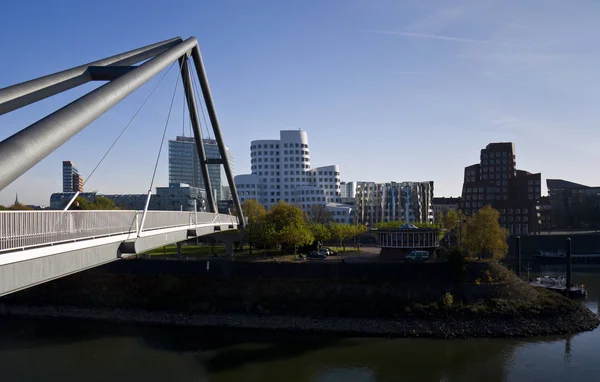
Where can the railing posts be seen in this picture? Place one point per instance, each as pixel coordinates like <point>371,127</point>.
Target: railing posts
<point>137,222</point>
<point>195,212</point>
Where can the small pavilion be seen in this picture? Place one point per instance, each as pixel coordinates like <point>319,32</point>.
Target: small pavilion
<point>399,242</point>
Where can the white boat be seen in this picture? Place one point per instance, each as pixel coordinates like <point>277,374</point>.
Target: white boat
<point>559,253</point>
<point>559,284</point>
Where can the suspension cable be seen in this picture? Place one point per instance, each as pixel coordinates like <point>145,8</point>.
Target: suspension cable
<point>164,131</point>
<point>118,137</point>
<point>162,141</point>
<point>129,123</point>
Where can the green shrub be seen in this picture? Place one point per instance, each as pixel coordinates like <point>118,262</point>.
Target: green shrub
<point>490,279</point>
<point>448,300</point>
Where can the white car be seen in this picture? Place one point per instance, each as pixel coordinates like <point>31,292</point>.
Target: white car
<point>418,255</point>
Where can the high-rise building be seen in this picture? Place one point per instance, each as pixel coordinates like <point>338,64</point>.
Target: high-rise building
<point>496,181</point>
<point>281,170</point>
<point>72,181</point>
<point>184,166</point>
<point>387,202</point>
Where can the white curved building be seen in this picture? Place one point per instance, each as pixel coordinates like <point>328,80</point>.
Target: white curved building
<point>281,170</point>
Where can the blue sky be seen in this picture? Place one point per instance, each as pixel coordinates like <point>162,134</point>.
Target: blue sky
<point>387,89</point>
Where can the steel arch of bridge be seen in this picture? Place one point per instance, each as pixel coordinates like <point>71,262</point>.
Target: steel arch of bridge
<point>24,149</point>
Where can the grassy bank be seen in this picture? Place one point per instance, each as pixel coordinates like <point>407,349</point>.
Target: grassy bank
<point>243,253</point>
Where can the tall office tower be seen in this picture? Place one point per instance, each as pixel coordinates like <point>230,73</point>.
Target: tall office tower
<point>72,181</point>
<point>184,166</point>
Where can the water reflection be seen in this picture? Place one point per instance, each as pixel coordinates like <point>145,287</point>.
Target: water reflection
<point>235,355</point>
<point>75,351</point>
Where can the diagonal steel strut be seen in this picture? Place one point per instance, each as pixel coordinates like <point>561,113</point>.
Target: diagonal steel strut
<point>25,93</point>
<point>21,151</point>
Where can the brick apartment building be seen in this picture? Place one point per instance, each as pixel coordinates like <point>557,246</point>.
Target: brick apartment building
<point>496,181</point>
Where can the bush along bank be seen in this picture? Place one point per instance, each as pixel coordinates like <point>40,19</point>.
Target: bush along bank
<point>479,300</point>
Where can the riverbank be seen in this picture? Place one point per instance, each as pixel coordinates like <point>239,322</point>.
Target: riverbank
<point>475,327</point>
<point>394,300</point>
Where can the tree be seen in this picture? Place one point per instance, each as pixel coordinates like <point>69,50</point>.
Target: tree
<point>483,234</point>
<point>256,215</point>
<point>320,232</point>
<point>450,220</point>
<point>266,235</point>
<point>283,214</point>
<point>99,203</point>
<point>342,232</point>
<point>284,219</point>
<point>295,234</point>
<point>320,214</point>
<point>19,207</point>
<point>103,203</point>
<point>359,229</point>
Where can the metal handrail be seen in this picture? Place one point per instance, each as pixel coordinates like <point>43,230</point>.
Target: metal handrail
<point>23,229</point>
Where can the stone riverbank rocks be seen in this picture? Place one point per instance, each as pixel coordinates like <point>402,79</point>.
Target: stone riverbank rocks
<point>581,320</point>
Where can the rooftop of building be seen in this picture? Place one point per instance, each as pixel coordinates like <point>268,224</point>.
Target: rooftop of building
<point>560,184</point>
<point>180,138</point>
<point>500,146</point>
<point>407,228</point>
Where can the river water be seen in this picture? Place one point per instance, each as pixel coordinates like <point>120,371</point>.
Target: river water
<point>49,350</point>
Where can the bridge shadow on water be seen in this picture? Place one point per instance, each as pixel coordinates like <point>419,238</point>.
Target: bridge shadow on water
<point>235,354</point>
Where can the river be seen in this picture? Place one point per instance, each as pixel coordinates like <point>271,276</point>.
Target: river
<point>50,350</point>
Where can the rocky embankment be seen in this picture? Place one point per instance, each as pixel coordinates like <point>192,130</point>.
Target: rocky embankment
<point>393,300</point>
<point>473,327</point>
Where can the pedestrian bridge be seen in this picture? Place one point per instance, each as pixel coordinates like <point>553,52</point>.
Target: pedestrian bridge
<point>39,246</point>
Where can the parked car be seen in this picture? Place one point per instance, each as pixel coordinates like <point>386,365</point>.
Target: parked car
<point>317,255</point>
<point>418,255</point>
<point>328,251</point>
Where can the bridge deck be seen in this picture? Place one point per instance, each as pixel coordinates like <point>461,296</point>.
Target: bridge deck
<point>39,246</point>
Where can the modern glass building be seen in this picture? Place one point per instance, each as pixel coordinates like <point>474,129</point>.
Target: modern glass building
<point>184,166</point>
<point>176,197</point>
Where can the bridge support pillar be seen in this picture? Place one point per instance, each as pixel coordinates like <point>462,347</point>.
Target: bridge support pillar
<point>229,249</point>
<point>179,250</point>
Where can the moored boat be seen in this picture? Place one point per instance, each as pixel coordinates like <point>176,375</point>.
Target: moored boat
<point>559,284</point>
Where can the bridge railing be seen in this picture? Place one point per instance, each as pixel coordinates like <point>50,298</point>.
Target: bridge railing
<point>30,228</point>
<point>22,229</point>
